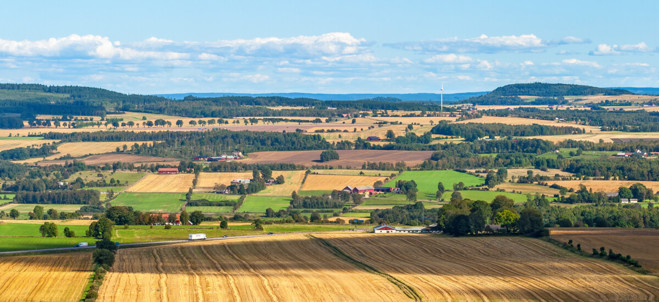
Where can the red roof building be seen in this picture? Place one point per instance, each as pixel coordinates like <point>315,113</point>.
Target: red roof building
<point>167,170</point>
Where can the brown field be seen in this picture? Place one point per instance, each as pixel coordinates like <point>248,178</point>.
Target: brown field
<point>209,180</point>
<point>442,268</point>
<point>58,277</point>
<point>175,183</point>
<point>7,144</point>
<point>353,172</point>
<point>425,267</point>
<point>607,186</point>
<point>293,181</point>
<point>641,244</point>
<point>527,188</point>
<point>348,158</point>
<point>274,268</point>
<point>527,121</point>
<point>337,182</point>
<point>109,158</point>
<point>606,136</point>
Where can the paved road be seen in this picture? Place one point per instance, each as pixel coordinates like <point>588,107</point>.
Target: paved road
<point>123,245</point>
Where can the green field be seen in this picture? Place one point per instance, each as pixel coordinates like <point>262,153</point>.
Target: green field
<point>7,196</point>
<point>24,209</point>
<point>151,202</point>
<point>22,138</point>
<point>214,210</point>
<point>565,152</point>
<point>28,229</point>
<point>487,195</point>
<point>356,214</point>
<point>258,204</point>
<point>125,178</point>
<point>213,196</point>
<point>354,172</point>
<point>426,181</point>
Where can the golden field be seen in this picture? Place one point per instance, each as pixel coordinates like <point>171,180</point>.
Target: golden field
<point>57,277</point>
<point>163,183</point>
<point>607,186</point>
<point>208,180</point>
<point>337,182</point>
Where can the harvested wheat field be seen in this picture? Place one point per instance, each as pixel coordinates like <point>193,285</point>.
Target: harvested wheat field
<point>162,183</point>
<point>272,268</point>
<point>292,182</point>
<point>7,144</point>
<point>347,158</point>
<point>58,277</point>
<point>442,268</point>
<point>527,188</point>
<point>641,244</point>
<point>337,182</point>
<point>208,180</point>
<point>606,186</point>
<point>109,158</point>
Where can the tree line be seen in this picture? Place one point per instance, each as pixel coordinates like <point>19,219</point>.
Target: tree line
<point>475,131</point>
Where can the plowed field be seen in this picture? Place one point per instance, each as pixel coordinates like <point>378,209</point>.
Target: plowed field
<point>641,244</point>
<point>358,267</point>
<point>177,183</point>
<point>337,182</point>
<point>59,277</point>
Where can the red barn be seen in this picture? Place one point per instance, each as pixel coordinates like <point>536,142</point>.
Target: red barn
<point>167,170</point>
<point>373,139</point>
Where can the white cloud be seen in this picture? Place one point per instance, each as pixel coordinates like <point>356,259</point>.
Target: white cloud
<point>448,58</point>
<point>577,62</point>
<point>605,49</point>
<point>483,44</point>
<point>210,57</point>
<point>289,69</point>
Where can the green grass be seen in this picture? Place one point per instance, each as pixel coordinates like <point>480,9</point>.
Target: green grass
<point>24,209</point>
<point>32,243</point>
<point>486,195</point>
<point>7,196</point>
<point>565,152</point>
<point>357,214</point>
<point>105,189</point>
<point>426,181</point>
<point>22,138</point>
<point>214,210</point>
<point>312,193</point>
<point>125,178</point>
<point>213,197</point>
<point>28,229</point>
<point>151,202</point>
<point>258,204</point>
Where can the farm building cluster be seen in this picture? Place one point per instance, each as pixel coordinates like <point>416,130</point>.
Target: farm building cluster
<point>223,157</point>
<point>385,228</point>
<point>369,190</point>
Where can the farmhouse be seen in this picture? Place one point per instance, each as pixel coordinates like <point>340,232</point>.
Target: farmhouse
<point>243,181</point>
<point>384,228</point>
<point>360,189</point>
<point>167,170</point>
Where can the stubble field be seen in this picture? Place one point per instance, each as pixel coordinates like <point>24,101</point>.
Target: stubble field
<point>351,267</point>
<point>208,180</point>
<point>58,277</point>
<point>347,158</point>
<point>337,182</point>
<point>604,185</point>
<point>641,244</point>
<point>161,183</point>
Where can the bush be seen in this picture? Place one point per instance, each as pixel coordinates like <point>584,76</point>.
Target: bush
<point>103,257</point>
<point>107,245</point>
<point>168,226</point>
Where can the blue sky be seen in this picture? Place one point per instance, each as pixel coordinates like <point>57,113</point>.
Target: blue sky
<point>328,46</point>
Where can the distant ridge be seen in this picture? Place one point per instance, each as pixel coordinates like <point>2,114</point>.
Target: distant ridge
<point>433,97</point>
<point>544,93</point>
<point>640,90</point>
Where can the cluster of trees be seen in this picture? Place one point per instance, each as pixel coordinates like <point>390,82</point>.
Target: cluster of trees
<point>409,188</point>
<point>316,202</point>
<point>48,229</point>
<point>89,197</point>
<point>208,203</point>
<point>120,215</point>
<point>10,122</point>
<point>475,131</point>
<point>328,155</point>
<point>492,179</point>
<point>413,214</point>
<point>28,152</point>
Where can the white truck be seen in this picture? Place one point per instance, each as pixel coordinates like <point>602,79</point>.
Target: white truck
<point>200,236</point>
<point>82,244</point>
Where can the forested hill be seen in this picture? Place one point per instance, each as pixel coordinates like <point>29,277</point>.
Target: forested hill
<point>544,93</point>
<point>553,90</point>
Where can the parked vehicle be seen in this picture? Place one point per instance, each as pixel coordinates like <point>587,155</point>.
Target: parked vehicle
<point>82,244</point>
<point>200,236</point>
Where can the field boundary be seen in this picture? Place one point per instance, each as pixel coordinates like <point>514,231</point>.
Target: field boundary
<point>407,289</point>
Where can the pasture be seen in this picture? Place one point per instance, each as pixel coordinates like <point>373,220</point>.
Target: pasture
<point>125,178</point>
<point>337,182</point>
<point>641,244</point>
<point>151,202</point>
<point>258,204</point>
<point>58,277</point>
<point>349,266</point>
<point>163,183</point>
<point>427,181</point>
<point>24,208</point>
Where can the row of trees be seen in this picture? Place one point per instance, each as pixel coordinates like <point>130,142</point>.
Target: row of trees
<point>475,131</point>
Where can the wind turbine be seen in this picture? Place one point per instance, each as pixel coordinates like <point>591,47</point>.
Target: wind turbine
<point>441,98</point>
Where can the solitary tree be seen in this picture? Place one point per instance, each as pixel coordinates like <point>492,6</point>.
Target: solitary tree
<point>328,155</point>
<point>179,123</point>
<point>440,190</point>
<point>185,218</point>
<point>224,224</point>
<point>390,134</point>
<point>196,217</point>
<point>14,213</point>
